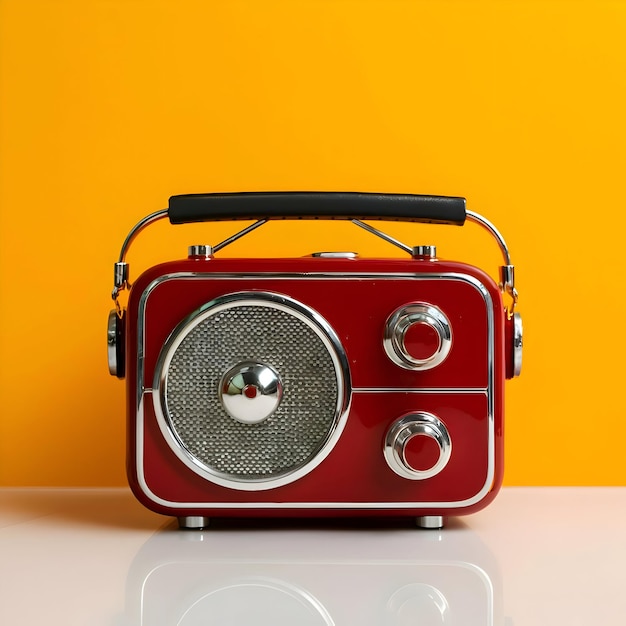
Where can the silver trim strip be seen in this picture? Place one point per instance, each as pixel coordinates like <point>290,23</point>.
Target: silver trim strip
<point>141,390</point>
<point>447,390</point>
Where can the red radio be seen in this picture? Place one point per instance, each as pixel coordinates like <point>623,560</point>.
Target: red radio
<point>258,387</point>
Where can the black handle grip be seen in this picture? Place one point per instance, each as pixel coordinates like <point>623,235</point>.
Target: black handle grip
<point>316,205</point>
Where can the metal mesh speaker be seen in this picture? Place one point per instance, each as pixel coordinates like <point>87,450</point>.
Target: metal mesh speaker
<point>285,337</point>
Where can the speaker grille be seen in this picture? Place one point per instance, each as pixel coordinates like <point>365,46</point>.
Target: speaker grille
<point>215,339</point>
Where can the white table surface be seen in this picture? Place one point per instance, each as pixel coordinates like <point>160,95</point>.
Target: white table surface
<point>536,556</point>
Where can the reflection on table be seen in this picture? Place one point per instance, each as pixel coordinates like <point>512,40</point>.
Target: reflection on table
<point>235,574</point>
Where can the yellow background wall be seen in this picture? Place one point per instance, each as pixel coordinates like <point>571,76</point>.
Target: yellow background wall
<point>109,107</point>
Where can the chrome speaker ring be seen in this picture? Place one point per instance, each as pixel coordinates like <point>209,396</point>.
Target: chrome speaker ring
<point>277,445</point>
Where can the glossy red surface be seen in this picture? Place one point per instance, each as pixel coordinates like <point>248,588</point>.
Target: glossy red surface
<point>421,341</point>
<point>355,296</point>
<point>421,452</point>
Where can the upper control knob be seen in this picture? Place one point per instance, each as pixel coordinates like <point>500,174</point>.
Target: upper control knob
<point>417,336</point>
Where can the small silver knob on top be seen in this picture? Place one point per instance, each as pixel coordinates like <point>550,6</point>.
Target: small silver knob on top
<point>425,252</point>
<point>200,251</point>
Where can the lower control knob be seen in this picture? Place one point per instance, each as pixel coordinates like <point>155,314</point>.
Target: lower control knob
<point>417,446</point>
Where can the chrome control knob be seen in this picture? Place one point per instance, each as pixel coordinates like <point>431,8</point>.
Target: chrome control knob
<point>417,336</point>
<point>518,333</point>
<point>251,392</point>
<point>417,446</point>
<point>115,341</point>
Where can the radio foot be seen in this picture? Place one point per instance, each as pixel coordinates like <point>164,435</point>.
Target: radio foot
<point>193,522</point>
<point>432,522</point>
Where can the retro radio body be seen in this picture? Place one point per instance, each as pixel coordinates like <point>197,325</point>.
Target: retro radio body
<point>325,385</point>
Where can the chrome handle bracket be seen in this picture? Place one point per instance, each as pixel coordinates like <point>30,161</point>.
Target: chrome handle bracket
<point>507,270</point>
<point>121,270</point>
